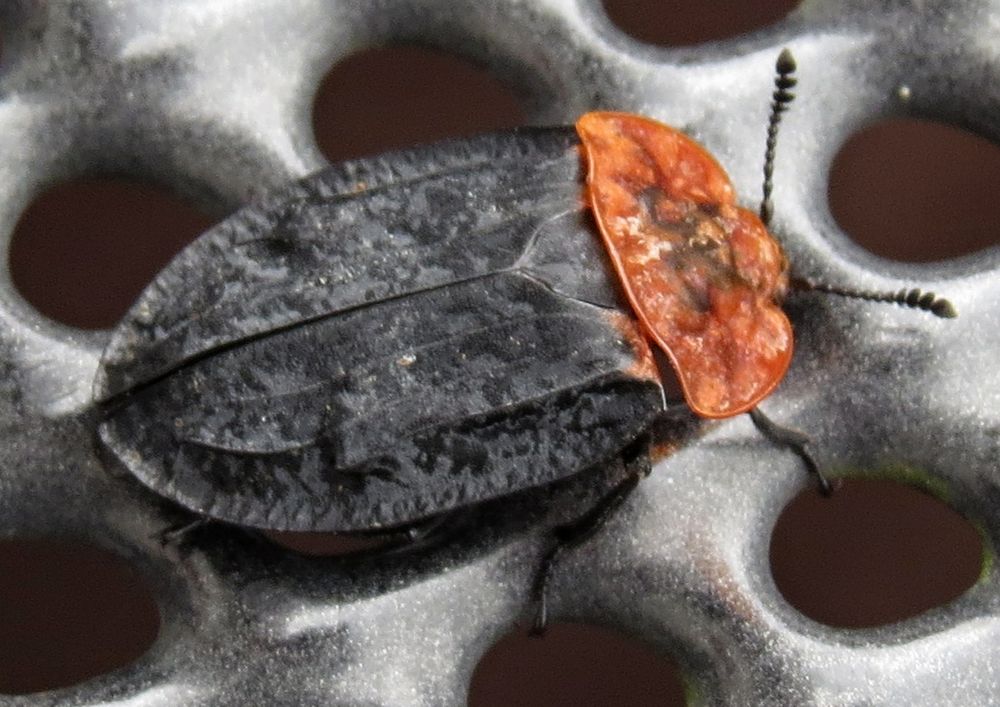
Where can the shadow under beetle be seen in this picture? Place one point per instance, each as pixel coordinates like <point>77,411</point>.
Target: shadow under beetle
<point>403,335</point>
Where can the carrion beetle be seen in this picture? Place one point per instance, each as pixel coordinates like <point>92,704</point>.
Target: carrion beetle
<point>403,335</point>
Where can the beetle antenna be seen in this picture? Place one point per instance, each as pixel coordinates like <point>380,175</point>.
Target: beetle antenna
<point>781,99</point>
<point>913,298</point>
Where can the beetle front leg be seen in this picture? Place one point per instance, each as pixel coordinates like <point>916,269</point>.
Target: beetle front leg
<point>576,532</point>
<point>796,441</point>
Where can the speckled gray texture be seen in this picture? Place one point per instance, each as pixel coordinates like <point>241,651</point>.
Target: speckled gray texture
<point>212,97</point>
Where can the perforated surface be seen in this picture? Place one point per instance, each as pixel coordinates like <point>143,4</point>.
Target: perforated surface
<point>212,97</point>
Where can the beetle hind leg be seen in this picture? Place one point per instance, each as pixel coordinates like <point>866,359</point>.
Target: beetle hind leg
<point>576,532</point>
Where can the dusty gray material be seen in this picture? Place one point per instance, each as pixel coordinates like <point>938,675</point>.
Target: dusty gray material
<point>213,99</point>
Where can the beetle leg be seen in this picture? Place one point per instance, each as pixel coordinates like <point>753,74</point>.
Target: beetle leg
<point>796,440</point>
<point>431,530</point>
<point>178,534</point>
<point>578,531</point>
<point>412,536</point>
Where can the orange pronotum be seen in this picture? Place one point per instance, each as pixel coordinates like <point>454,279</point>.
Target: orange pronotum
<point>703,274</point>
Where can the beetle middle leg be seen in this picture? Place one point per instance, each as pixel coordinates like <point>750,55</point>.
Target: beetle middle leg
<point>796,440</point>
<point>576,532</point>
<point>421,533</point>
<point>178,535</point>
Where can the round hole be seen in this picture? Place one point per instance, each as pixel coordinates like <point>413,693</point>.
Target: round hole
<point>68,612</point>
<point>387,98</point>
<point>574,665</point>
<point>874,553</point>
<point>916,191</point>
<point>686,22</point>
<point>84,250</point>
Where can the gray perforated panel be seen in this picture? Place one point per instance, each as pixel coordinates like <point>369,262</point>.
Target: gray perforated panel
<point>213,97</point>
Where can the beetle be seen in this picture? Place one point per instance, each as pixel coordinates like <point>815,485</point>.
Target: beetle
<point>403,335</point>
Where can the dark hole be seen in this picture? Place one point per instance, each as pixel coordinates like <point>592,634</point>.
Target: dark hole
<point>382,99</point>
<point>685,22</point>
<point>874,553</point>
<point>83,251</point>
<point>68,612</point>
<point>577,666</point>
<point>331,544</point>
<point>917,191</point>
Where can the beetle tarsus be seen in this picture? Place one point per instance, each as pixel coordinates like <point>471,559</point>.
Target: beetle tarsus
<point>430,531</point>
<point>179,534</point>
<point>795,440</point>
<point>578,531</point>
<point>539,593</point>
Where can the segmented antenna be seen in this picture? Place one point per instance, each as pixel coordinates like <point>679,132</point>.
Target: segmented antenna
<point>913,298</point>
<point>782,97</point>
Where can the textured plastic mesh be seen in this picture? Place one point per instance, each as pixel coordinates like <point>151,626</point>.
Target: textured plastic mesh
<point>212,97</point>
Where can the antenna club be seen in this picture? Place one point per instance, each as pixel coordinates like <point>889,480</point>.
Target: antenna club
<point>944,309</point>
<point>913,298</point>
<point>786,62</point>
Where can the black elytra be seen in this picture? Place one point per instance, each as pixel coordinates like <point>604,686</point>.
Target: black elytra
<point>388,339</point>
